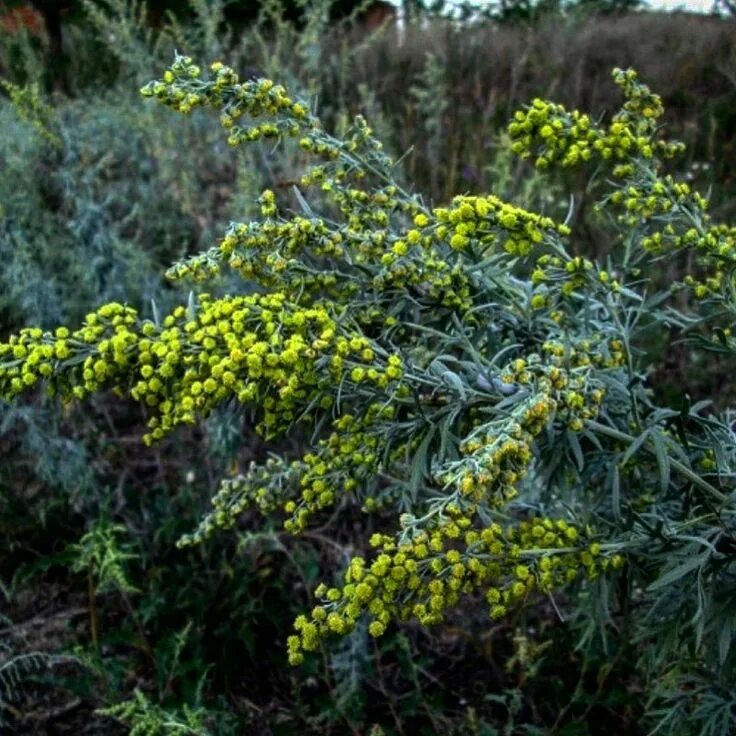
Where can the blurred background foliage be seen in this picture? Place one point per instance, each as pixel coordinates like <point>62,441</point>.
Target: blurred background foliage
<point>100,192</point>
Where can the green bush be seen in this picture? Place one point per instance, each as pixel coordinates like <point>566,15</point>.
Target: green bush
<point>463,376</point>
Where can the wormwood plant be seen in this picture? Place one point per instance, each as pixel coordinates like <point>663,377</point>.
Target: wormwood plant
<point>462,376</point>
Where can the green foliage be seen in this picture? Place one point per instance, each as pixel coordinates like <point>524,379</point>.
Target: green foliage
<point>96,211</point>
<point>101,555</point>
<point>463,377</point>
<point>147,719</point>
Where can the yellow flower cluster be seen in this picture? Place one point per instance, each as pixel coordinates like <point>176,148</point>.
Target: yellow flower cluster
<point>498,454</point>
<point>259,348</point>
<point>551,134</point>
<point>558,277</point>
<point>495,463</point>
<point>182,89</point>
<point>342,463</point>
<point>427,275</point>
<point>261,251</point>
<point>486,222</point>
<point>246,347</point>
<point>653,197</point>
<point>582,353</point>
<point>347,158</point>
<point>296,254</point>
<point>73,363</point>
<point>199,268</point>
<point>308,257</point>
<point>425,575</point>
<point>650,199</point>
<point>633,130</point>
<point>688,226</point>
<point>353,156</point>
<point>266,486</point>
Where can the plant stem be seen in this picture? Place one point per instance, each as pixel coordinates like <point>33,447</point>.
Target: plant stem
<point>93,626</point>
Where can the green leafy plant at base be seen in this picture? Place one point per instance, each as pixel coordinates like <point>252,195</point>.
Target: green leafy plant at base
<point>462,376</point>
<point>147,719</point>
